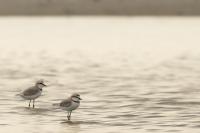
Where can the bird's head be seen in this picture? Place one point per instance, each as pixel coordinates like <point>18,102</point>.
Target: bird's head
<point>75,97</point>
<point>40,84</point>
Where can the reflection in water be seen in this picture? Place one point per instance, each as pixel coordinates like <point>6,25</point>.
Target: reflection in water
<point>70,127</point>
<point>125,88</point>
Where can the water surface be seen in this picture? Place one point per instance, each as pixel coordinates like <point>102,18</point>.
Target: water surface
<point>134,74</point>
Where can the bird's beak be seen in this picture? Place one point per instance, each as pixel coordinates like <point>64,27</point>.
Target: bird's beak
<point>43,84</point>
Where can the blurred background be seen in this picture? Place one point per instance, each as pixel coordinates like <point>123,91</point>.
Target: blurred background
<point>99,7</point>
<point>135,63</point>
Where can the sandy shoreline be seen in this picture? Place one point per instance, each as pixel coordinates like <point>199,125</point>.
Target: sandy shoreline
<point>100,7</point>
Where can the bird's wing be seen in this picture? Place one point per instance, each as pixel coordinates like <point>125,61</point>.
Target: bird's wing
<point>30,91</point>
<point>66,103</point>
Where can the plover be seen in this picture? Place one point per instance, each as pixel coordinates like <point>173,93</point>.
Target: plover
<point>33,92</point>
<point>71,104</point>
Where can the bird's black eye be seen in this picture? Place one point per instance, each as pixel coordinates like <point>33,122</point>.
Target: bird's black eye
<point>41,89</point>
<point>75,96</point>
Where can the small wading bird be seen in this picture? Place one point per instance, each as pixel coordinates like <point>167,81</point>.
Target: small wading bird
<point>33,92</point>
<point>70,104</point>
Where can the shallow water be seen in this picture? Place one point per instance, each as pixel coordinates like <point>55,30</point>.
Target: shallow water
<point>133,74</point>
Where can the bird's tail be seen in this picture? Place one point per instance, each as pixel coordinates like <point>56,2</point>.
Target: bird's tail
<point>18,94</point>
<point>56,105</point>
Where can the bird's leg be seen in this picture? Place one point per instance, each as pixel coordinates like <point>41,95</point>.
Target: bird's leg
<point>29,103</point>
<point>68,117</point>
<point>33,103</point>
